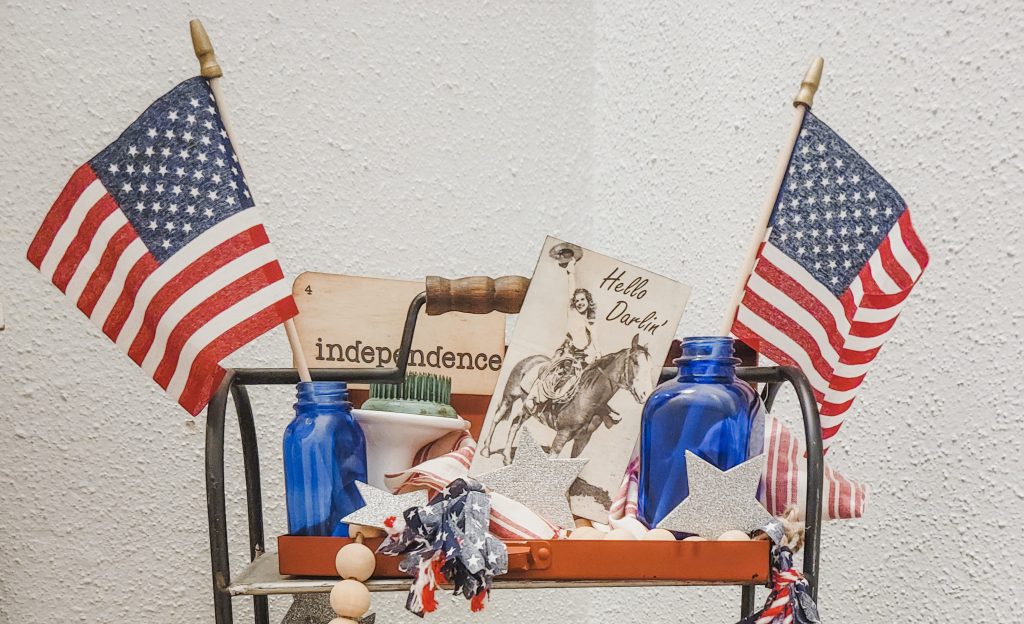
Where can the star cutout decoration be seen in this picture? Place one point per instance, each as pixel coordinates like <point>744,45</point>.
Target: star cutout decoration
<point>381,505</point>
<point>719,501</point>
<point>533,479</point>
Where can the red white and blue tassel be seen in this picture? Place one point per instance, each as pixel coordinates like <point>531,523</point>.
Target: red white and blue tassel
<point>447,541</point>
<point>790,601</point>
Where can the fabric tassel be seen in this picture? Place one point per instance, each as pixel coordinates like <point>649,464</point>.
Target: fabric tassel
<point>422,598</point>
<point>448,540</point>
<point>477,603</point>
<point>789,600</point>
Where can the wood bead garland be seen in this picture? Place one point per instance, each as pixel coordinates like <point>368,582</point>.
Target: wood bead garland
<point>586,533</point>
<point>659,535</point>
<point>350,599</point>
<point>619,534</point>
<point>734,536</point>
<point>355,561</point>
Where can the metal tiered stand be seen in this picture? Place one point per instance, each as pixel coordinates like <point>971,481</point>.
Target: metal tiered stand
<point>260,578</point>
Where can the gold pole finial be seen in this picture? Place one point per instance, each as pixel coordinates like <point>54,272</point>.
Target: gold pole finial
<point>809,86</point>
<point>208,66</point>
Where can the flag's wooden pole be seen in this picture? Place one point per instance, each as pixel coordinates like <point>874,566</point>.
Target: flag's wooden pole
<point>803,101</point>
<point>210,69</point>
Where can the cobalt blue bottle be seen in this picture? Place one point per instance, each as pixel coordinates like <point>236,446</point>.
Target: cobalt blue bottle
<point>707,411</point>
<point>324,455</point>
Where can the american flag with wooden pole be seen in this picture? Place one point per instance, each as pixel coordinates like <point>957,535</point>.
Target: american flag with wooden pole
<point>833,260</point>
<point>156,240</point>
<point>210,69</point>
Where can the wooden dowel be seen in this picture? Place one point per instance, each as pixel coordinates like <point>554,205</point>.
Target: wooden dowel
<point>802,102</point>
<point>210,69</point>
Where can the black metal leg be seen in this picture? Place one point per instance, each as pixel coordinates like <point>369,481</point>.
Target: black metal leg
<point>815,456</point>
<point>747,601</point>
<point>253,492</point>
<point>215,503</point>
<point>815,474</point>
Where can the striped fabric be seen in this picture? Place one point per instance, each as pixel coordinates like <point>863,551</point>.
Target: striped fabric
<point>441,462</point>
<point>784,478</point>
<point>156,241</point>
<point>837,264</point>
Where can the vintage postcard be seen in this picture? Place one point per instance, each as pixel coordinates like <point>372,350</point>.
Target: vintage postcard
<point>586,352</point>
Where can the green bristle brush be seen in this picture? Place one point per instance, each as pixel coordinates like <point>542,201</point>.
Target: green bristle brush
<point>421,393</point>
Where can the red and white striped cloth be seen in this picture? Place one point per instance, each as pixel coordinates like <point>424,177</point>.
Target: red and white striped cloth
<point>837,264</point>
<point>781,608</point>
<point>784,478</point>
<point>448,458</point>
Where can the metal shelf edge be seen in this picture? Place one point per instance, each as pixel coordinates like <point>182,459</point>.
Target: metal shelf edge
<point>261,578</point>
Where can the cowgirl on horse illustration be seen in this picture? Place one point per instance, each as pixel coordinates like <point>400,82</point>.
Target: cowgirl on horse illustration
<point>559,379</point>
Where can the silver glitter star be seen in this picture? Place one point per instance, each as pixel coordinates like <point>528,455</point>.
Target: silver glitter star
<point>540,483</point>
<point>381,505</point>
<point>719,501</point>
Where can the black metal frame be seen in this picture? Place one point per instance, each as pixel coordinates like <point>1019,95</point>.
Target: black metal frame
<point>236,382</point>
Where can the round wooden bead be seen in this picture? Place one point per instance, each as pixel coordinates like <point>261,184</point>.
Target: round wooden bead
<point>659,535</point>
<point>586,533</point>
<point>695,538</point>
<point>350,599</point>
<point>619,534</point>
<point>355,561</point>
<point>340,620</point>
<point>367,531</point>
<point>734,536</point>
<point>582,522</point>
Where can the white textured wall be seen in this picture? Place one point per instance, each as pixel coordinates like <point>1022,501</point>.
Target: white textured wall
<point>449,138</point>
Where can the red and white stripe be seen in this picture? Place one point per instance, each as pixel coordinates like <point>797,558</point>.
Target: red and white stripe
<point>784,477</point>
<point>625,503</point>
<point>780,608</point>
<point>791,318</point>
<point>449,458</point>
<point>178,319</point>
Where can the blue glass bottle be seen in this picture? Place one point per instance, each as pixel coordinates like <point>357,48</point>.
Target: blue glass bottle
<point>706,410</point>
<point>324,454</point>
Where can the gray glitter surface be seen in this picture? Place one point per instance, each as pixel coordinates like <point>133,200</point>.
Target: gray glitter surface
<point>316,609</point>
<point>381,505</point>
<point>774,530</point>
<point>719,501</point>
<point>537,481</point>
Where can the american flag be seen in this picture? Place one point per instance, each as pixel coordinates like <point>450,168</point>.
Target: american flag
<point>156,241</point>
<point>838,261</point>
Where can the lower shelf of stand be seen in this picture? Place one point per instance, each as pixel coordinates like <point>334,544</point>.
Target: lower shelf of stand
<point>261,578</point>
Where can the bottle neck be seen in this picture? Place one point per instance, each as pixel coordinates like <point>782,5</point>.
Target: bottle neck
<point>707,360</point>
<point>315,398</point>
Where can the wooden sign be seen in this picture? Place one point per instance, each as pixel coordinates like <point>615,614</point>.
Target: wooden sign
<point>346,321</point>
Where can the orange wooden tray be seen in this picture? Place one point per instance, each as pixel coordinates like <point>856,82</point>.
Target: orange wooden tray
<point>699,562</point>
<point>562,560</point>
